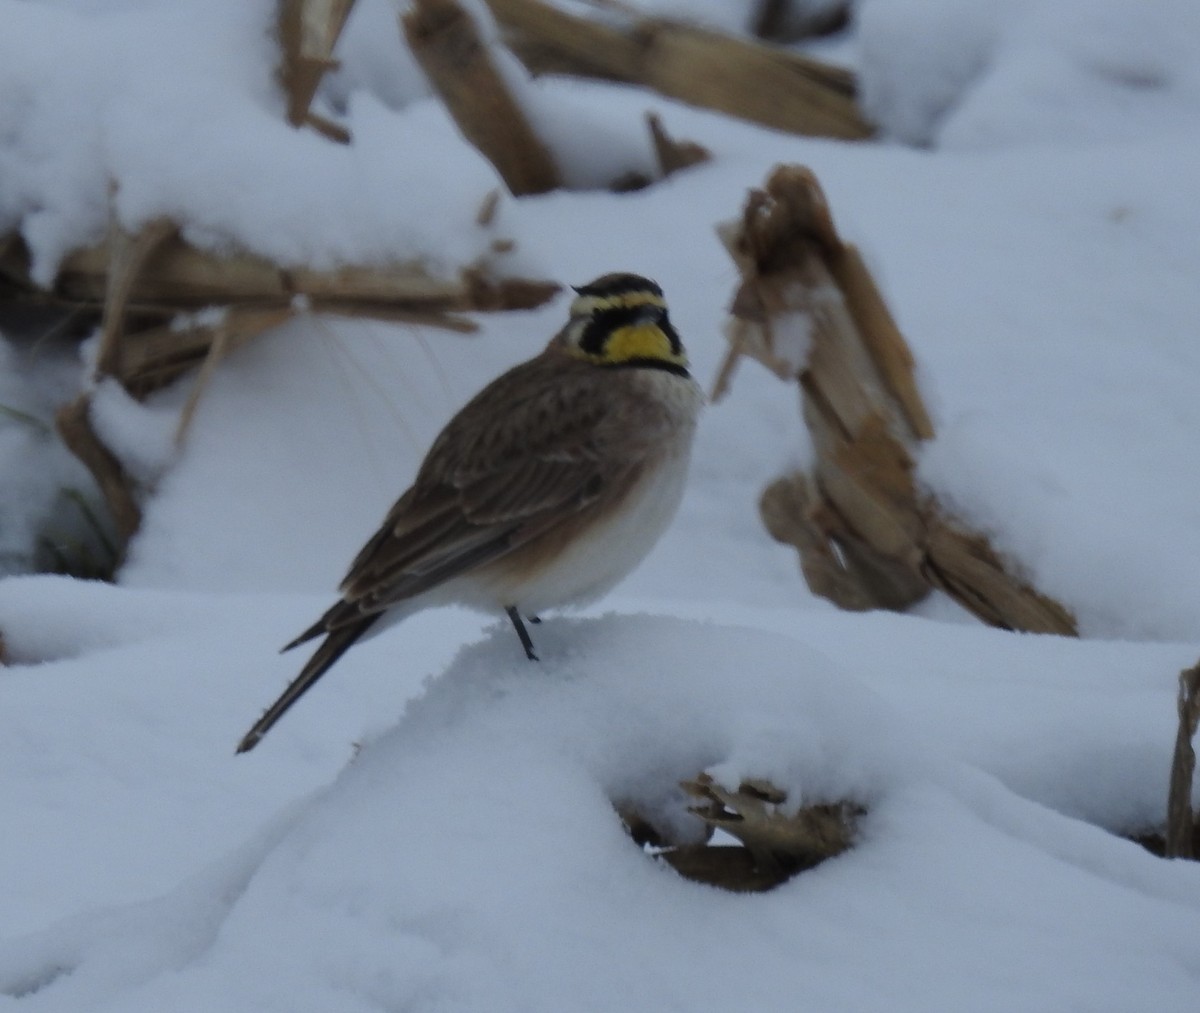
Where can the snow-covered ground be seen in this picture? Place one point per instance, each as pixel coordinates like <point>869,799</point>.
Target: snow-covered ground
<point>432,826</point>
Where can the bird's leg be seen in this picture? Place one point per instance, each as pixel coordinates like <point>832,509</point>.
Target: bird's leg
<point>523,633</point>
<point>536,620</point>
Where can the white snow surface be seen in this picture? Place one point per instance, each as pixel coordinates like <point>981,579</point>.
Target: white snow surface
<point>980,75</point>
<point>432,827</point>
<point>173,105</point>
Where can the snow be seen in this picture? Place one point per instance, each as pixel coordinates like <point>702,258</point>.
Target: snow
<point>468,855</point>
<point>975,75</point>
<point>174,105</point>
<point>432,827</point>
<point>32,386</point>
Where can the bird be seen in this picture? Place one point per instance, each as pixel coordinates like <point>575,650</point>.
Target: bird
<point>545,490</point>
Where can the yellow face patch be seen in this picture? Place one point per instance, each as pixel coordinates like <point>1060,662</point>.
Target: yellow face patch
<point>640,341</point>
<point>624,327</point>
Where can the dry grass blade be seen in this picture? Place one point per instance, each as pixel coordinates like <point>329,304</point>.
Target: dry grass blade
<point>1180,835</point>
<point>308,33</point>
<point>235,328</point>
<point>128,257</point>
<point>155,356</point>
<point>447,44</point>
<point>140,285</point>
<point>964,565</point>
<point>673,155</point>
<point>74,426</point>
<point>764,84</point>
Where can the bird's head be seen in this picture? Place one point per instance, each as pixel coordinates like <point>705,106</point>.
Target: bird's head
<point>621,320</point>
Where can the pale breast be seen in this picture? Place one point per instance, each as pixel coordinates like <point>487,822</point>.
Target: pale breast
<point>586,556</point>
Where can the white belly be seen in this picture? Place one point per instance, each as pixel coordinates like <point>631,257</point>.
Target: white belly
<point>601,556</point>
<point>609,552</point>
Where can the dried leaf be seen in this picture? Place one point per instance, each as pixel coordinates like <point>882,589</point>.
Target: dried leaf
<point>867,536</point>
<point>787,841</point>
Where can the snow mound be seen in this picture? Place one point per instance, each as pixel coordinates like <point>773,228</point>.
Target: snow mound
<point>176,108</point>
<point>470,859</point>
<point>989,75</point>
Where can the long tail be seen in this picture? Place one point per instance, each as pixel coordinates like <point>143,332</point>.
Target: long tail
<point>337,642</point>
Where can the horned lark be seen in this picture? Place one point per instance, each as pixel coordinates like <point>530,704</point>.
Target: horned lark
<point>545,490</point>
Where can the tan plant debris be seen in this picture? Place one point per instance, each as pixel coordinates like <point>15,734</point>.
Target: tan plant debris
<point>447,44</point>
<point>1181,828</point>
<point>868,536</point>
<point>776,843</point>
<point>308,33</point>
<point>742,78</point>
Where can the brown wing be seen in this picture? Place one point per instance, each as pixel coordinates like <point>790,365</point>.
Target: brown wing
<point>533,449</point>
<point>541,443</point>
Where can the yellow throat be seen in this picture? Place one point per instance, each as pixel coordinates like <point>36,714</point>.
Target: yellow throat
<point>640,341</point>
